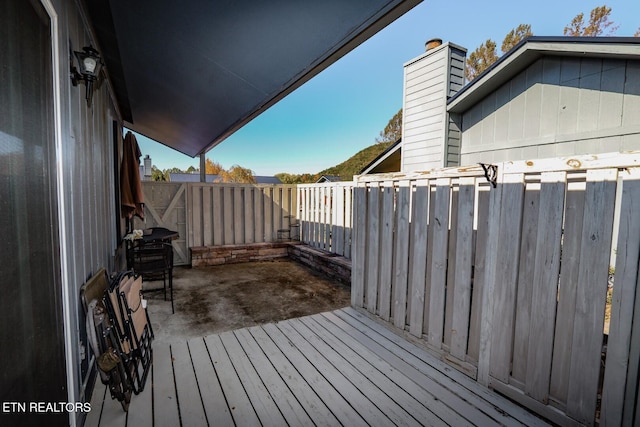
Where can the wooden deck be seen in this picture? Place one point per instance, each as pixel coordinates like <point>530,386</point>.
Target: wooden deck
<point>336,368</point>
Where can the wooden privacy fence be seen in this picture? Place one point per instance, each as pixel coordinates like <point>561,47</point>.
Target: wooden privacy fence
<point>325,216</point>
<point>232,214</point>
<point>206,214</point>
<point>510,283</point>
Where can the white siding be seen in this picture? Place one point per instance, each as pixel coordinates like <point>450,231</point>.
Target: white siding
<point>557,107</point>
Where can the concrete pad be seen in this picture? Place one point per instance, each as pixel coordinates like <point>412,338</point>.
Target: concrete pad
<point>219,298</point>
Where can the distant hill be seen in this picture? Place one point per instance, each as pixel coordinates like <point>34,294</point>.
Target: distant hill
<point>355,163</point>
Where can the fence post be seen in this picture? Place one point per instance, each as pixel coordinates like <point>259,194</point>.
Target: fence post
<point>359,247</point>
<point>491,262</point>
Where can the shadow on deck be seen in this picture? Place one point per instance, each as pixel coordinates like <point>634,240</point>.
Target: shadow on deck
<point>333,368</point>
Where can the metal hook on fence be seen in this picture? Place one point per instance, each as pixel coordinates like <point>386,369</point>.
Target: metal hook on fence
<point>490,173</point>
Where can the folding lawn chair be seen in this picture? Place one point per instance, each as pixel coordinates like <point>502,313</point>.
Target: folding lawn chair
<point>109,357</point>
<point>127,307</point>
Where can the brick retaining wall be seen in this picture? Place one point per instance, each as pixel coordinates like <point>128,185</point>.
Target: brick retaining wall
<point>336,267</point>
<point>332,265</point>
<point>202,256</point>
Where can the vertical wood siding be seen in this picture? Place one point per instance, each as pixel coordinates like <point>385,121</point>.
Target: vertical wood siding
<point>87,161</point>
<point>572,106</point>
<point>509,284</point>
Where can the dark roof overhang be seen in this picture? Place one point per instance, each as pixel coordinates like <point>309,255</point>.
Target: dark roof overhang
<point>190,73</point>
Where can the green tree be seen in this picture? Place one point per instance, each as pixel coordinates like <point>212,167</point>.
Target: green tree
<point>515,36</point>
<point>157,174</point>
<point>191,169</point>
<point>481,59</point>
<point>288,178</point>
<point>392,131</point>
<point>599,21</point>
<point>167,172</point>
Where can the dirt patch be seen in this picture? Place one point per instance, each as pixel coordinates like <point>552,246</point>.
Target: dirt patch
<point>214,299</point>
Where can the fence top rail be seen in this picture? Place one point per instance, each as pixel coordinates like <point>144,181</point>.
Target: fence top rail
<point>235,184</point>
<point>327,184</point>
<point>452,172</point>
<point>627,159</point>
<point>574,163</point>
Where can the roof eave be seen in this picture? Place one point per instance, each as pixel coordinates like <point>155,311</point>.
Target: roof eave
<point>529,51</point>
<point>366,32</point>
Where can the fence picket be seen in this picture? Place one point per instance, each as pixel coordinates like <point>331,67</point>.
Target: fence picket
<point>269,217</point>
<point>373,247</point>
<point>526,264</point>
<point>386,250</point>
<point>227,219</point>
<point>337,241</point>
<point>545,285</point>
<point>438,264</point>
<point>207,226</point>
<point>217,206</point>
<point>258,209</point>
<point>482,219</point>
<point>574,215</point>
<point>591,294</point>
<point>359,260</point>
<point>418,257</point>
<point>348,221</point>
<point>238,215</point>
<point>451,266</point>
<point>197,212</point>
<point>464,251</point>
<point>401,255</point>
<point>507,250</point>
<point>248,218</point>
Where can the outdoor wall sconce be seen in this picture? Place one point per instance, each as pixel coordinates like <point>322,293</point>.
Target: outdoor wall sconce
<point>90,64</point>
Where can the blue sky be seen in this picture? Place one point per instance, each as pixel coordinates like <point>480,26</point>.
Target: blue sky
<point>344,108</point>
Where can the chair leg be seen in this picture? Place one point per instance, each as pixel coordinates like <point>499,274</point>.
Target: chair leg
<point>171,288</point>
<point>164,284</point>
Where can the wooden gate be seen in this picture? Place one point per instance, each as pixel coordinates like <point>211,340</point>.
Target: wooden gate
<point>165,206</point>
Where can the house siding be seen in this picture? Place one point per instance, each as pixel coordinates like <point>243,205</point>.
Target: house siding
<point>428,81</point>
<point>556,107</point>
<point>89,212</point>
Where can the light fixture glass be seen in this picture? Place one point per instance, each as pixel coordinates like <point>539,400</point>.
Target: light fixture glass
<point>90,64</point>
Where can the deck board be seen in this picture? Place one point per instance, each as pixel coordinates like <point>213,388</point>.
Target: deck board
<point>298,386</point>
<point>165,404</point>
<point>335,368</point>
<point>287,403</point>
<point>211,394</point>
<point>321,386</point>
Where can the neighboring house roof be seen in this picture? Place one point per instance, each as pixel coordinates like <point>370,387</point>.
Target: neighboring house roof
<point>195,177</point>
<point>190,73</point>
<point>529,50</point>
<point>328,178</point>
<point>387,161</point>
<point>268,180</point>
